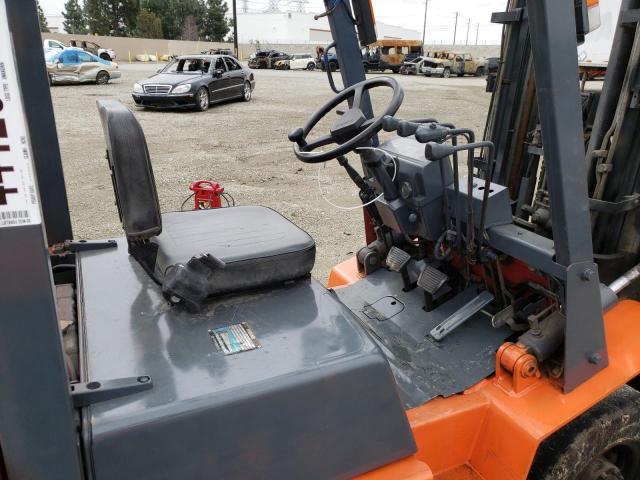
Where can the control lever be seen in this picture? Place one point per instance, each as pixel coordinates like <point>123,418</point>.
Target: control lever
<point>404,128</point>
<point>438,151</point>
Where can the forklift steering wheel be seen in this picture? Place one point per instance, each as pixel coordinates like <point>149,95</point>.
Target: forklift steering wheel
<point>352,129</point>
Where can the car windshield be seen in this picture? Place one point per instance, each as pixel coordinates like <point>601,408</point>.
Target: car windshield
<point>415,60</point>
<point>190,66</point>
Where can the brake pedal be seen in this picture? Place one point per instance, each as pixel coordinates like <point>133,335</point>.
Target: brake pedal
<point>431,280</point>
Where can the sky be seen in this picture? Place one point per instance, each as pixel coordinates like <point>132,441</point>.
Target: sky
<point>441,16</point>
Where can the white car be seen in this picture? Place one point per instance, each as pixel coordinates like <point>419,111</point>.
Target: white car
<point>297,61</point>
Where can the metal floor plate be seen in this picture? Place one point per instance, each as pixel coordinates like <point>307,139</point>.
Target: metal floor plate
<point>423,367</point>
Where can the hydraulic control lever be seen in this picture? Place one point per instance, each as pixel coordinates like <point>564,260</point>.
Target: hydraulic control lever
<point>404,128</point>
<point>437,151</point>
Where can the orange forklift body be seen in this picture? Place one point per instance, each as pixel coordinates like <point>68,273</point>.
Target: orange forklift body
<point>493,430</point>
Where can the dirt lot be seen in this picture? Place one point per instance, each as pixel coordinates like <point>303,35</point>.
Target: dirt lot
<point>244,146</point>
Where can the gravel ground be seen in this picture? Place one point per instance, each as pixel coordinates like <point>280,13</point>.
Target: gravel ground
<point>243,146</point>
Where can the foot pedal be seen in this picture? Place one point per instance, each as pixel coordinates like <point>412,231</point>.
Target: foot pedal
<point>397,259</point>
<point>431,280</point>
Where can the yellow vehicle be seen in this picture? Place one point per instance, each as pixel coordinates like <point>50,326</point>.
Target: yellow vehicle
<point>390,54</point>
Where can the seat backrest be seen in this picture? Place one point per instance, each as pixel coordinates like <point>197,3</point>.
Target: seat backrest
<point>131,172</point>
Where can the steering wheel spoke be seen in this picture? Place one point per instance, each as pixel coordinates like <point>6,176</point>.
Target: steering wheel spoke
<point>357,95</point>
<point>319,142</point>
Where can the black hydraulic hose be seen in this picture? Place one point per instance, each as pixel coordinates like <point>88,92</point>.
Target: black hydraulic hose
<point>328,67</point>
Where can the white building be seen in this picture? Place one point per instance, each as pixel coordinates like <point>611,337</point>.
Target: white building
<point>55,23</point>
<point>301,28</point>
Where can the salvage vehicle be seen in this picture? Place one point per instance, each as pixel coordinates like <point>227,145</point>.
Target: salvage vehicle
<point>324,59</point>
<point>413,67</point>
<point>487,328</point>
<point>73,65</point>
<point>195,81</point>
<point>493,65</point>
<point>458,63</point>
<point>92,47</point>
<point>463,63</point>
<point>439,66</point>
<point>219,51</point>
<point>390,54</point>
<point>297,61</point>
<point>266,59</point>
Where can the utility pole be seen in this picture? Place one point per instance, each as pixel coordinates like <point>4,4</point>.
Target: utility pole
<point>424,25</point>
<point>235,29</point>
<point>245,6</point>
<point>455,29</point>
<point>477,31</point>
<point>468,26</point>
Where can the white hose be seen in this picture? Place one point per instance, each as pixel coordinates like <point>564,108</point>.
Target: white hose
<point>340,207</point>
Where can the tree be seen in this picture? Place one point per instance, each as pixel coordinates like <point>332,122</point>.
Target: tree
<point>215,25</point>
<point>173,15</point>
<point>189,29</point>
<point>148,24</point>
<point>42,19</point>
<point>111,17</point>
<point>75,21</point>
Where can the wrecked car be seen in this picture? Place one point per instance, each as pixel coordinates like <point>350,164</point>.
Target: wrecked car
<point>94,48</point>
<point>72,65</point>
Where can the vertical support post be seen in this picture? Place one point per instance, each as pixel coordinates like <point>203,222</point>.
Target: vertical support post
<point>235,30</point>
<point>46,151</point>
<point>37,424</point>
<point>553,44</point>
<point>348,51</point>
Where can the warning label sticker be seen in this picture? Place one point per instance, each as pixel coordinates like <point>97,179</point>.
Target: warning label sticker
<point>18,198</point>
<point>234,338</point>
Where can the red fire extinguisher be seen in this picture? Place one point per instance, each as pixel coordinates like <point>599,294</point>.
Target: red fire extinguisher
<point>206,194</point>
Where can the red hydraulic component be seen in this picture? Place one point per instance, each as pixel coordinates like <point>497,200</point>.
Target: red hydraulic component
<point>207,194</point>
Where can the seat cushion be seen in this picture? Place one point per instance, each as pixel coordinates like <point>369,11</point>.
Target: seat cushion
<point>257,245</point>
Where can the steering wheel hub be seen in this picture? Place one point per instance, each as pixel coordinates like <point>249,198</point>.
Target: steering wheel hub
<point>352,129</point>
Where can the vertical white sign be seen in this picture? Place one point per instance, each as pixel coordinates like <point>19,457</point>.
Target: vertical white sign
<point>18,197</point>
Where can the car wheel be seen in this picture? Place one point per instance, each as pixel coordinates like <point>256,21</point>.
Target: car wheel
<point>446,73</point>
<point>105,56</point>
<point>311,66</point>
<point>202,99</point>
<point>603,443</point>
<point>246,93</point>
<point>480,72</point>
<point>102,78</point>
<point>333,66</point>
<point>395,70</point>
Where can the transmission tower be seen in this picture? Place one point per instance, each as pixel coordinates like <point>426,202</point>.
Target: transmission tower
<point>299,5</point>
<point>273,6</point>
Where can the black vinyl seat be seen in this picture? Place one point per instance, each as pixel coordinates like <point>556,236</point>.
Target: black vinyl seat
<point>196,254</point>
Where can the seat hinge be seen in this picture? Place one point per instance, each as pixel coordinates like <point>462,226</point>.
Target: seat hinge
<point>85,394</point>
<point>74,246</point>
